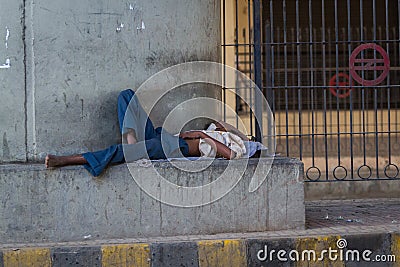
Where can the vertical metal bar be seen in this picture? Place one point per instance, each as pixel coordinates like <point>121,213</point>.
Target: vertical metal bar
<point>257,69</point>
<point>395,53</point>
<point>389,140</point>
<point>330,102</point>
<point>376,132</point>
<point>273,112</point>
<point>324,80</point>
<point>224,60</point>
<point>250,65</point>
<point>375,94</point>
<point>286,77</point>
<point>337,80</point>
<point>278,62</point>
<point>361,21</point>
<point>382,98</point>
<point>284,14</point>
<point>287,122</point>
<point>312,82</point>
<point>298,44</point>
<point>293,90</point>
<point>269,92</point>
<point>397,58</point>
<point>272,53</point>
<point>243,86</point>
<point>308,91</point>
<point>300,125</point>
<point>362,89</point>
<point>374,20</point>
<point>388,83</point>
<point>272,46</point>
<point>237,85</point>
<point>351,91</point>
<point>344,63</point>
<point>359,127</point>
<point>299,80</point>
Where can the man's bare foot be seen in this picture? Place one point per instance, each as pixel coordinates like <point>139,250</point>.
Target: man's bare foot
<point>60,161</point>
<point>53,161</point>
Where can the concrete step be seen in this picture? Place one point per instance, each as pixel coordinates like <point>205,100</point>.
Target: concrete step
<point>39,205</point>
<point>239,249</point>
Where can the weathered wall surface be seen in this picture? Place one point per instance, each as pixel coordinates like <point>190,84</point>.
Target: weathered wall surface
<point>12,82</point>
<point>39,205</point>
<point>59,95</point>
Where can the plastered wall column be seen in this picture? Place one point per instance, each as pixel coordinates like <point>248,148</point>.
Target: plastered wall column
<point>12,82</point>
<point>78,55</point>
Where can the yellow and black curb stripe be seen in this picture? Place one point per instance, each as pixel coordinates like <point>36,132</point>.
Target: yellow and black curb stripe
<point>243,252</point>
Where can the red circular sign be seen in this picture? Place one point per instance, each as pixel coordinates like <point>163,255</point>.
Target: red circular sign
<point>337,85</point>
<point>372,64</point>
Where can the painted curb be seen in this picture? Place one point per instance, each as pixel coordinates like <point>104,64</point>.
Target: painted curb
<point>228,252</point>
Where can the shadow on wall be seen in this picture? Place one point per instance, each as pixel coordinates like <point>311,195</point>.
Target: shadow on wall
<point>99,114</point>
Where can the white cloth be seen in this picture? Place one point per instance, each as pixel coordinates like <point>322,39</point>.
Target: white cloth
<point>252,147</point>
<point>232,141</point>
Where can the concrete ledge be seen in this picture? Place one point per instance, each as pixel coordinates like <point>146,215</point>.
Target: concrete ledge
<point>250,251</point>
<point>39,205</point>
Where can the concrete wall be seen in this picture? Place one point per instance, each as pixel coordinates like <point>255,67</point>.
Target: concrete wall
<point>39,205</point>
<point>12,82</point>
<point>69,61</point>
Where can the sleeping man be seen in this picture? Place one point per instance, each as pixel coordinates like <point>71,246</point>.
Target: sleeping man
<point>142,140</point>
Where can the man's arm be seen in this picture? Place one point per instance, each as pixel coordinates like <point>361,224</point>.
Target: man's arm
<point>221,149</point>
<point>224,126</point>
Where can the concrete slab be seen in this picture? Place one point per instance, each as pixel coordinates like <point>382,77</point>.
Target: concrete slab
<point>67,204</point>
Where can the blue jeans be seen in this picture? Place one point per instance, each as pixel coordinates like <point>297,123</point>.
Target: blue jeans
<point>149,143</point>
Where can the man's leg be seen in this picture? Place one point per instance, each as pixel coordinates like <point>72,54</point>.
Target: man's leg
<point>94,162</point>
<point>137,127</point>
<point>60,161</point>
<point>97,161</point>
<point>135,124</point>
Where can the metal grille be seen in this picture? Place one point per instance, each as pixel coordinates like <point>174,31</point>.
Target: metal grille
<point>330,71</point>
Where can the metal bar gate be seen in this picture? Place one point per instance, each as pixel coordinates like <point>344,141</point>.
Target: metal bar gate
<point>330,72</point>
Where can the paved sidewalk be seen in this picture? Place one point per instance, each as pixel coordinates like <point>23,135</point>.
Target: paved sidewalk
<point>358,224</point>
<point>369,212</point>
